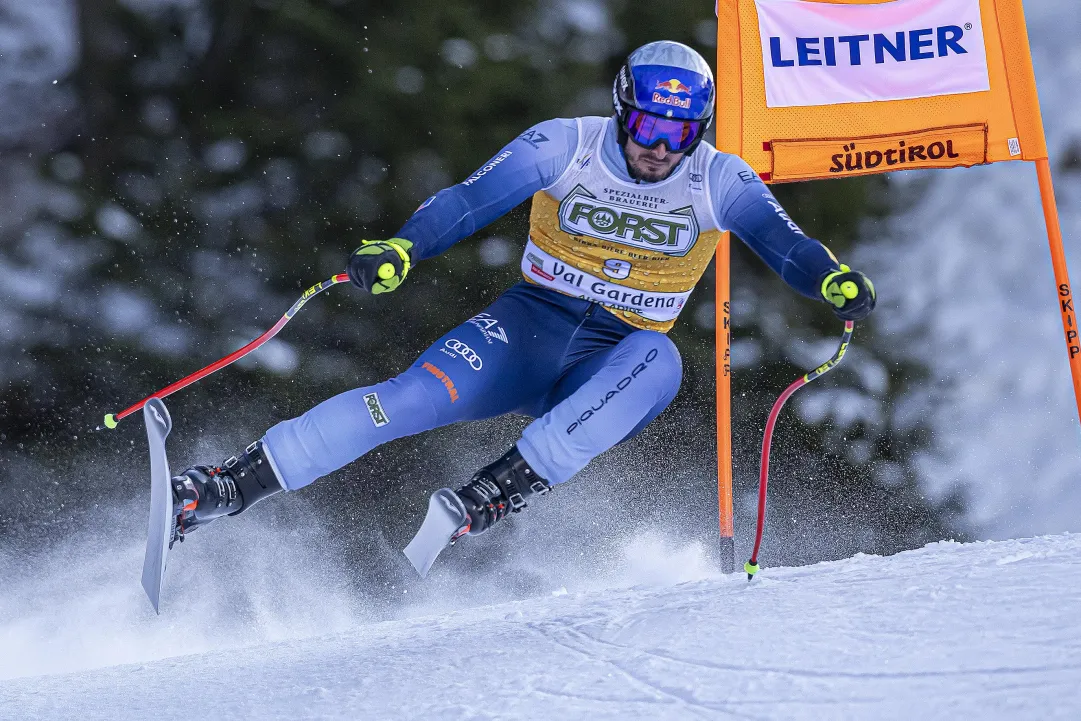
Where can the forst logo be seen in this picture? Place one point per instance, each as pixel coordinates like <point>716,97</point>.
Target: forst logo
<point>375,410</point>
<point>671,233</point>
<point>855,50</point>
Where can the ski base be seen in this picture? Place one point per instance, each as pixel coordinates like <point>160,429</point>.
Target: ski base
<point>445,521</point>
<point>160,527</point>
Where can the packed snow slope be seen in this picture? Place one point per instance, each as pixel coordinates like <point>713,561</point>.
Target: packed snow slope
<point>984,630</point>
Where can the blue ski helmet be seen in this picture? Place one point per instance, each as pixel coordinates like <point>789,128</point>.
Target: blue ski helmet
<point>664,94</point>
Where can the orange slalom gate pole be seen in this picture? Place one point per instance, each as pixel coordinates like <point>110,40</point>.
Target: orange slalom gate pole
<point>1062,278</point>
<point>723,332</point>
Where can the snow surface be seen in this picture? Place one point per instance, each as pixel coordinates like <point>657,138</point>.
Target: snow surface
<point>985,630</point>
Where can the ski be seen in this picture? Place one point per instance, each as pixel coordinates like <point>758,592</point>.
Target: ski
<point>160,528</point>
<point>446,520</point>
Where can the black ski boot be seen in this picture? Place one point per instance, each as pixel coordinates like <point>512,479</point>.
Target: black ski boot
<point>202,494</point>
<point>494,491</point>
<point>497,489</point>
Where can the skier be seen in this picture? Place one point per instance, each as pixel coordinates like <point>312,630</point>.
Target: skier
<point>626,214</point>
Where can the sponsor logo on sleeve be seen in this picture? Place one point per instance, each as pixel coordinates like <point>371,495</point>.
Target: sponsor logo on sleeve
<point>488,167</point>
<point>747,176</point>
<point>782,214</point>
<point>375,410</point>
<point>534,138</point>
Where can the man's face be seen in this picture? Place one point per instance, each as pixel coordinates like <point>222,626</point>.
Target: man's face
<point>650,166</point>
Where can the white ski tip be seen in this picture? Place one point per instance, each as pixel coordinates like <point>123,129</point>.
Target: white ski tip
<point>446,517</point>
<point>159,529</point>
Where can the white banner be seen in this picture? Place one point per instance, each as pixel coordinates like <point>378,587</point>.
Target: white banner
<point>817,53</point>
<point>551,272</point>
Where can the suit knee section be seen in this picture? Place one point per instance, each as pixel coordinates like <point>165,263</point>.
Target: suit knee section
<point>663,356</point>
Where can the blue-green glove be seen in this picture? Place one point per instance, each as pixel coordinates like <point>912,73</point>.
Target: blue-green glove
<point>380,266</point>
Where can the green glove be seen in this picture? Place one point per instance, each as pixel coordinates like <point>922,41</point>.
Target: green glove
<point>850,292</point>
<point>380,266</point>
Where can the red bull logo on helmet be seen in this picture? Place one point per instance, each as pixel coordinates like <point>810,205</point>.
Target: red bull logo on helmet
<point>672,88</point>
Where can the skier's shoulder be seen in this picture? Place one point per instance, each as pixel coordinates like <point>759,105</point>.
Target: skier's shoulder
<point>551,136</point>
<point>728,171</point>
<point>548,147</point>
<point>724,165</point>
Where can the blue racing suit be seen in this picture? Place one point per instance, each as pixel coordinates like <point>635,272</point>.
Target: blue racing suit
<point>589,378</point>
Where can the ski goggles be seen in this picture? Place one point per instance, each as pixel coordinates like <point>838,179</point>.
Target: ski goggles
<point>650,130</point>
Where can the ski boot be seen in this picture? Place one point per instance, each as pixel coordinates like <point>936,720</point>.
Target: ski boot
<point>202,493</point>
<point>499,488</point>
<point>496,490</point>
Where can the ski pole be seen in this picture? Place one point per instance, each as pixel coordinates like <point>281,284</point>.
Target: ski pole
<point>111,420</point>
<point>751,567</point>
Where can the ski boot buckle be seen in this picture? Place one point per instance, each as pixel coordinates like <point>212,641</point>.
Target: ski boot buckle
<point>516,501</point>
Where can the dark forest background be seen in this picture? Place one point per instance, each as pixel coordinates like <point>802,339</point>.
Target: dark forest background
<point>199,164</point>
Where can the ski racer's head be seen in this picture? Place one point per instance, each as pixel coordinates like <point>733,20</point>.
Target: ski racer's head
<point>663,97</point>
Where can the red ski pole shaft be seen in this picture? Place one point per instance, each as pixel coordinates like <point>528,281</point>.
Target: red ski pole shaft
<point>751,567</point>
<point>111,420</point>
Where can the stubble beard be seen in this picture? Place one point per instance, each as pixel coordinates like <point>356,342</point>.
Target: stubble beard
<point>646,175</point>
